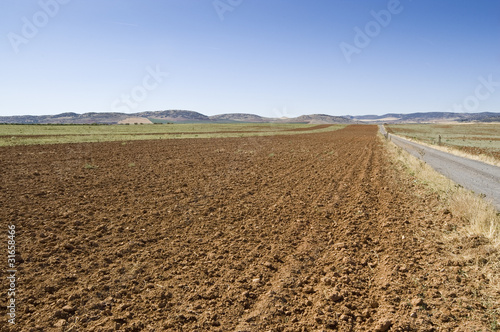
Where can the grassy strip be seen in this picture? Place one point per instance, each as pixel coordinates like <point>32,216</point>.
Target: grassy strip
<point>54,134</point>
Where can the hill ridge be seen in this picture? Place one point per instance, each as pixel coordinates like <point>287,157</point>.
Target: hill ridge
<point>186,116</point>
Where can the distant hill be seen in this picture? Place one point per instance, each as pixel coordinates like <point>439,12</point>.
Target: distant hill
<point>311,119</point>
<point>184,116</point>
<point>321,119</point>
<point>175,116</point>
<point>428,117</point>
<point>67,118</point>
<point>109,118</point>
<point>238,117</point>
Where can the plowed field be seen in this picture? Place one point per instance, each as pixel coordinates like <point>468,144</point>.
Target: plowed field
<point>307,232</point>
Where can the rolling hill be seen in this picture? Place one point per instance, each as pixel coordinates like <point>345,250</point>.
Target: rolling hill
<point>428,117</point>
<point>184,116</point>
<point>174,116</point>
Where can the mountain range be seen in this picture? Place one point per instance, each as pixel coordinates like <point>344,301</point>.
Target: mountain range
<point>183,116</point>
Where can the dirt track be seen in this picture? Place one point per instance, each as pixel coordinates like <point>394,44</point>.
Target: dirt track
<point>299,233</point>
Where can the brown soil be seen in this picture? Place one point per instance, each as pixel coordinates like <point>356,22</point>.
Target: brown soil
<point>138,134</point>
<point>323,126</point>
<point>477,151</point>
<point>483,138</point>
<point>443,126</point>
<point>288,233</point>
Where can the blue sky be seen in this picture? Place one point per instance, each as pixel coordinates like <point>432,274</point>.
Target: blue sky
<point>268,57</point>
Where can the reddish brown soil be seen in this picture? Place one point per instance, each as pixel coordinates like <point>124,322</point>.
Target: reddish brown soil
<point>323,126</point>
<point>477,151</point>
<point>484,138</point>
<point>299,233</point>
<point>139,134</point>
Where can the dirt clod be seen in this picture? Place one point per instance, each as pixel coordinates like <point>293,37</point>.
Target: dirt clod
<point>383,325</point>
<point>417,302</point>
<point>69,309</point>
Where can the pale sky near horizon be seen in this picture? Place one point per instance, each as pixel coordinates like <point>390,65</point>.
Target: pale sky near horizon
<point>267,57</point>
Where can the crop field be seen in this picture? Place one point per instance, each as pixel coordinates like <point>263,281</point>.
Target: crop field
<point>317,231</point>
<point>48,134</point>
<point>472,138</point>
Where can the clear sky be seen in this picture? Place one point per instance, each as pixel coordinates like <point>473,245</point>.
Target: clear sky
<point>266,57</point>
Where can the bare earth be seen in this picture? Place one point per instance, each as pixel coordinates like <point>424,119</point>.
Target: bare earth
<point>307,232</point>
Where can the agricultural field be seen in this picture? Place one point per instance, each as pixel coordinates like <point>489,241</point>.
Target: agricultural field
<point>482,139</point>
<point>49,134</point>
<point>310,232</point>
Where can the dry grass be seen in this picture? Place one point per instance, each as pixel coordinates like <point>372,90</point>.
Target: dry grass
<point>481,220</point>
<point>481,216</point>
<point>423,172</point>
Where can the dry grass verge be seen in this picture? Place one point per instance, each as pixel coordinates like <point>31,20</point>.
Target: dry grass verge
<point>476,242</point>
<point>481,216</point>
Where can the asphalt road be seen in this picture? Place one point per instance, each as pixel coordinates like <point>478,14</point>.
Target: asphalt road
<point>471,174</point>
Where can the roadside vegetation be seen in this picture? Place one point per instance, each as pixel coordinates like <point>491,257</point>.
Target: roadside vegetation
<point>474,244</point>
<point>479,141</point>
<point>51,134</point>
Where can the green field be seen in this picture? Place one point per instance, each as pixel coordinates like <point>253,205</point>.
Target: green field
<point>473,138</point>
<point>52,134</point>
